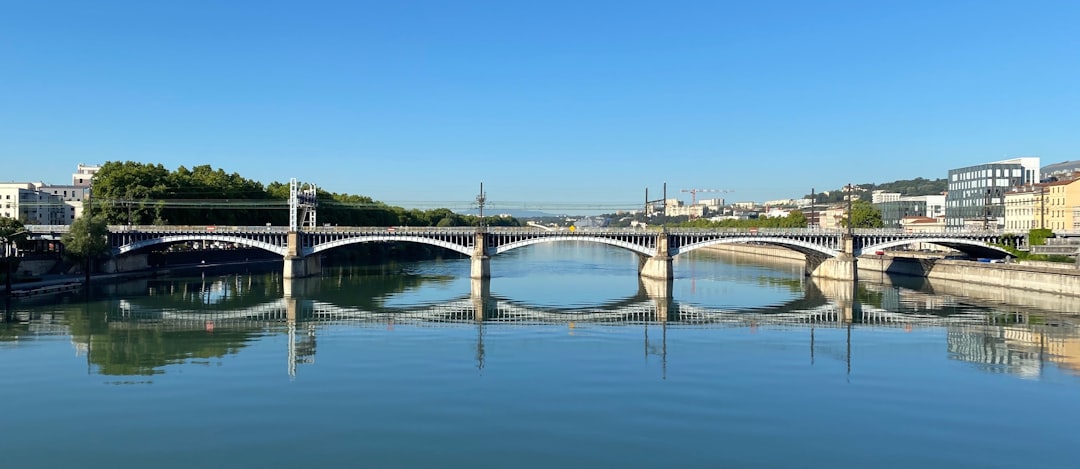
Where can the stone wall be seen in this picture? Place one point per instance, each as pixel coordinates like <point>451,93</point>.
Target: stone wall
<point>1006,276</point>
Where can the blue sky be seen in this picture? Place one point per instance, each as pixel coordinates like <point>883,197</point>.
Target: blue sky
<point>547,102</point>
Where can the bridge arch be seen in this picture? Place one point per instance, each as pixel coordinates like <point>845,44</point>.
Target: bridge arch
<point>967,246</point>
<point>466,250</point>
<point>170,239</point>
<point>796,245</point>
<point>590,239</point>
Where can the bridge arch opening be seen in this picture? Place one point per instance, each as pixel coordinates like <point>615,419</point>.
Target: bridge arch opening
<point>971,248</point>
<point>141,246</point>
<point>388,240</point>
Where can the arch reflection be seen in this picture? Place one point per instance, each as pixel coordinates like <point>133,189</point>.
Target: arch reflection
<point>195,320</point>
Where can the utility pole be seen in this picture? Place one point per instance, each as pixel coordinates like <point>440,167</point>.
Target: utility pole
<point>850,226</point>
<point>663,199</point>
<point>481,199</point>
<point>1042,210</point>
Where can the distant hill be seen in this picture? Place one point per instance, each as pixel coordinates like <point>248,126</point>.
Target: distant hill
<point>519,214</point>
<point>906,187</point>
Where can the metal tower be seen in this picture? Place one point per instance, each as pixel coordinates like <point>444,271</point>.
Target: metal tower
<point>302,204</point>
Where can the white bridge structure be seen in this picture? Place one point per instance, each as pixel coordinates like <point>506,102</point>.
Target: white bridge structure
<point>302,248</point>
<point>829,253</point>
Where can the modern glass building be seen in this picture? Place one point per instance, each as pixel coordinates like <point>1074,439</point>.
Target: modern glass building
<point>976,197</point>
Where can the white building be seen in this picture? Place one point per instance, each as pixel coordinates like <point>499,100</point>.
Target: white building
<point>84,174</point>
<point>24,202</point>
<point>878,197</point>
<point>36,203</point>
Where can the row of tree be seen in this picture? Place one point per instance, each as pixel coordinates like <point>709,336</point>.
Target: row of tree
<point>907,187</point>
<point>863,215</point>
<point>143,194</point>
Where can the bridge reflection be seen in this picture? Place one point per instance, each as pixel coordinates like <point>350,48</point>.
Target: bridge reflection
<point>182,321</point>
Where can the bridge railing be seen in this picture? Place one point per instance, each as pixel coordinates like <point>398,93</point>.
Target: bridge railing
<point>45,229</point>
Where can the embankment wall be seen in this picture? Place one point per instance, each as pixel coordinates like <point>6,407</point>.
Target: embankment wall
<point>1060,279</point>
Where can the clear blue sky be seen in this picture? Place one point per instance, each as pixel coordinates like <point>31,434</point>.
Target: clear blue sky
<point>545,101</point>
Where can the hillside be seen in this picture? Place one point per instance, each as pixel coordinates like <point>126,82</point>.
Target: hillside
<point>906,187</point>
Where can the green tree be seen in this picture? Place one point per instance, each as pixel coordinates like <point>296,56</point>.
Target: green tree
<point>87,240</point>
<point>8,229</point>
<point>865,215</point>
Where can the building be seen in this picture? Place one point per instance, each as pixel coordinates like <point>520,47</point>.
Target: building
<point>880,197</point>
<point>675,208</point>
<point>976,195</point>
<point>894,209</point>
<point>832,218</point>
<point>84,174</point>
<point>712,205</point>
<point>1062,205</point>
<point>36,203</point>
<point>72,196</point>
<point>1025,208</point>
<point>24,202</point>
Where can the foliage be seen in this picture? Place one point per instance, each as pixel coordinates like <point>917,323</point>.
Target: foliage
<point>87,238</point>
<point>794,220</point>
<point>1037,236</point>
<point>8,228</point>
<point>865,215</point>
<point>139,194</point>
<point>907,187</point>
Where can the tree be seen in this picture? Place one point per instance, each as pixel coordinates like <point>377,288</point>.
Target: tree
<point>8,229</point>
<point>865,215</point>
<point>87,240</point>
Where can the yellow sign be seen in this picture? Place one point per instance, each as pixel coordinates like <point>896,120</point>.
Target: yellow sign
<point>573,228</point>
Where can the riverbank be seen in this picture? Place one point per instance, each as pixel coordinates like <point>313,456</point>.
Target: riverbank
<point>72,282</point>
<point>1062,279</point>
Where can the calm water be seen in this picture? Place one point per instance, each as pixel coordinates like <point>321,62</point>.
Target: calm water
<point>562,360</point>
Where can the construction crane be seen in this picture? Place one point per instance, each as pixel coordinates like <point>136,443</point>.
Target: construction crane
<point>694,192</point>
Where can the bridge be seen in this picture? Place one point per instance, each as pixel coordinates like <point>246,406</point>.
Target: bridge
<point>829,253</point>
<point>826,251</point>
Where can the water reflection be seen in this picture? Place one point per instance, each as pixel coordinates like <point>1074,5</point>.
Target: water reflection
<point>201,320</point>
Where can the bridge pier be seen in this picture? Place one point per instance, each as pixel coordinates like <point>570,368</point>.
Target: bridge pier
<point>842,267</point>
<point>297,265</point>
<point>481,262</point>
<point>658,266</point>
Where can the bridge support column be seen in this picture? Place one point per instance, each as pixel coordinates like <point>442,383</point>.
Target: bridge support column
<point>842,267</point>
<point>296,265</point>
<point>481,262</point>
<point>658,266</point>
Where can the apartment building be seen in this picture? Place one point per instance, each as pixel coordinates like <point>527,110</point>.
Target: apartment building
<point>976,195</point>
<point>1025,208</point>
<point>24,202</point>
<point>1062,204</point>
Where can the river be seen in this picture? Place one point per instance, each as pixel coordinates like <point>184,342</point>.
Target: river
<point>563,359</point>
